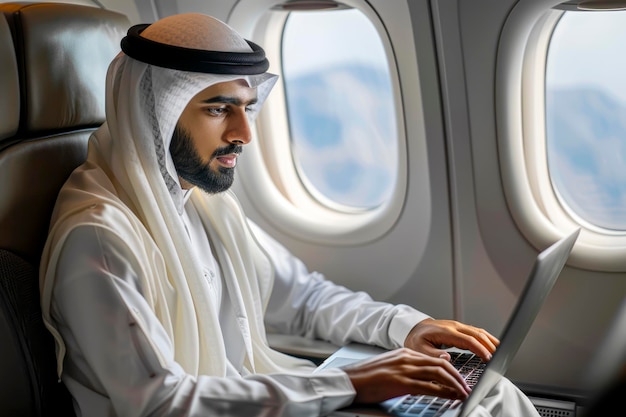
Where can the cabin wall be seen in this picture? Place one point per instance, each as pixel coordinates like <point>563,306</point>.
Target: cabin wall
<point>494,256</point>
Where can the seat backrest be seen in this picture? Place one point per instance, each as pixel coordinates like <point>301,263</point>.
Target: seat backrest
<point>62,54</point>
<point>53,61</point>
<point>9,85</point>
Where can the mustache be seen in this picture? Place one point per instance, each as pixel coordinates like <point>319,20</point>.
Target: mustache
<point>232,148</point>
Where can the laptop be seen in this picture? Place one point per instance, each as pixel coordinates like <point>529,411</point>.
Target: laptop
<point>542,278</point>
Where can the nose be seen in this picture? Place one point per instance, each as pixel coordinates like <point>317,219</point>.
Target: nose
<point>239,131</point>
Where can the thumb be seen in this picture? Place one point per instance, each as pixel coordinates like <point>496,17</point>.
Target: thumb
<point>436,352</point>
<point>443,355</point>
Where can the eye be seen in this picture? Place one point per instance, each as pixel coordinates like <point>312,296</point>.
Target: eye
<point>216,111</point>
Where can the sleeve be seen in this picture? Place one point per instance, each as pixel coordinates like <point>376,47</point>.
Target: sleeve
<point>305,303</point>
<point>120,361</point>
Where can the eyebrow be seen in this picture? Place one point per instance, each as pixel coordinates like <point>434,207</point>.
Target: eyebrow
<point>230,100</point>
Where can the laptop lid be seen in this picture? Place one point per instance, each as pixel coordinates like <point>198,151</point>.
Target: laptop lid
<point>543,275</point>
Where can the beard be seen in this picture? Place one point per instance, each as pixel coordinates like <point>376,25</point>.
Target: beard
<point>189,165</point>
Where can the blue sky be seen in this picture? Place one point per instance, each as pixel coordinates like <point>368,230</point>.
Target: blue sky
<point>590,48</point>
<point>358,44</point>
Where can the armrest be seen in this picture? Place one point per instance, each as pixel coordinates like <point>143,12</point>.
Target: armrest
<point>300,346</point>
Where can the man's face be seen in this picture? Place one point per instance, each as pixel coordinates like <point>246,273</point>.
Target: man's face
<point>209,135</point>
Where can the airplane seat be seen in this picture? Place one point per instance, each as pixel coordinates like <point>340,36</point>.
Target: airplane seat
<point>54,59</point>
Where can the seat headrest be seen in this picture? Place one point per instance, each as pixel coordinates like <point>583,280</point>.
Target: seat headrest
<point>55,84</point>
<point>9,90</point>
<point>63,52</point>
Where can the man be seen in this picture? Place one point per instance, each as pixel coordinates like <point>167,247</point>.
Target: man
<point>158,289</point>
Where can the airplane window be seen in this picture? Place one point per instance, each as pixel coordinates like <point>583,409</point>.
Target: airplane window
<point>342,118</point>
<point>586,116</point>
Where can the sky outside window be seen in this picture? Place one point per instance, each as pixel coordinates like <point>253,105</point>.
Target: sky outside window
<point>586,116</point>
<point>340,107</point>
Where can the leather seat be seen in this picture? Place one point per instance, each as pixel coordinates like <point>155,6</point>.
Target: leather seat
<point>53,61</point>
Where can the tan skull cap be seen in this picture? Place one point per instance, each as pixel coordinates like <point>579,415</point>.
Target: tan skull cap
<point>196,31</point>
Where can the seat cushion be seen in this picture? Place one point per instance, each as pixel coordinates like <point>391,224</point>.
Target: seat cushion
<point>29,385</point>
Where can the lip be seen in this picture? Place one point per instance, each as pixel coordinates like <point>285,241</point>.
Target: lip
<point>229,161</point>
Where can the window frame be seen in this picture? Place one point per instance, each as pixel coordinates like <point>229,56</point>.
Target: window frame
<point>285,201</point>
<point>520,102</point>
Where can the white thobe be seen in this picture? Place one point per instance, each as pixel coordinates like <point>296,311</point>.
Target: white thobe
<point>116,347</point>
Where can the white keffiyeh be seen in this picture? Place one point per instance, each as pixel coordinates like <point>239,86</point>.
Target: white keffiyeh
<point>129,184</point>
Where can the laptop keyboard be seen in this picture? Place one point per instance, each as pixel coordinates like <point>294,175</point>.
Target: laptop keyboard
<point>470,367</point>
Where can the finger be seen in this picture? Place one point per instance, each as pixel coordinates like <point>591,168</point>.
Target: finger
<point>477,340</point>
<point>484,343</point>
<point>442,372</point>
<point>486,338</point>
<point>441,380</point>
<point>452,371</point>
<point>435,351</point>
<point>439,390</point>
<point>431,336</point>
<point>421,366</point>
<point>404,371</point>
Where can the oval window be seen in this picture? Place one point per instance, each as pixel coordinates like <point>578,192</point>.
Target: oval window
<point>586,116</point>
<point>342,117</point>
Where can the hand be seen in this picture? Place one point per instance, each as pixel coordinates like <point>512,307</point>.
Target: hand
<point>404,371</point>
<point>429,336</point>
